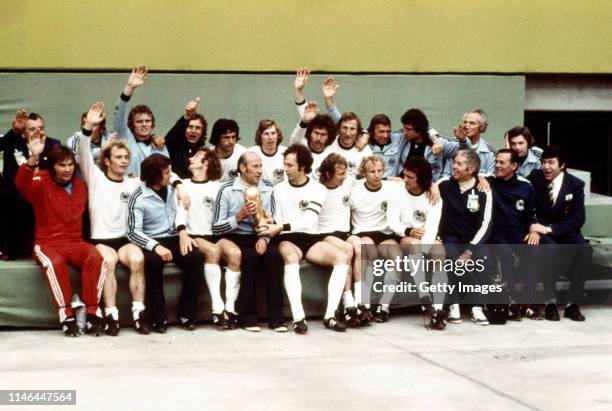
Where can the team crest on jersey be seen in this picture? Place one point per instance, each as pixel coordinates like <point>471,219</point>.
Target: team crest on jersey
<point>419,215</point>
<point>383,206</point>
<point>316,173</point>
<point>351,165</point>
<point>124,196</point>
<point>277,174</point>
<point>392,161</point>
<point>304,205</point>
<point>345,201</point>
<point>208,201</point>
<point>520,204</point>
<point>233,173</point>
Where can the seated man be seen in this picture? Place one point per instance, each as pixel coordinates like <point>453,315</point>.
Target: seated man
<point>109,191</point>
<point>186,136</point>
<point>234,220</point>
<point>417,225</point>
<point>520,140</point>
<point>268,146</point>
<point>299,201</point>
<point>151,226</point>
<point>369,202</point>
<point>559,201</point>
<point>203,189</point>
<point>465,224</point>
<point>513,214</point>
<point>59,201</point>
<point>224,138</point>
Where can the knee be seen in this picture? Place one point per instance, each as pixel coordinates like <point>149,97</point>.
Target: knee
<point>234,256</point>
<point>340,257</point>
<point>212,253</point>
<point>291,258</point>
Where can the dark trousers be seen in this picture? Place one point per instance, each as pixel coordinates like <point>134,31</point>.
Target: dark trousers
<point>454,248</point>
<point>17,225</point>
<point>505,246</point>
<point>253,266</point>
<point>192,265</point>
<point>580,254</point>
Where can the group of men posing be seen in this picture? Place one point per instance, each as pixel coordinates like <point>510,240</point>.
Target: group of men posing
<point>336,192</point>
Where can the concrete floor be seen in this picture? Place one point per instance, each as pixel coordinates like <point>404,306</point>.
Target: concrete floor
<point>398,365</point>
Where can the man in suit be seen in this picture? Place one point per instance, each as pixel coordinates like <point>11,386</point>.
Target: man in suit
<point>560,214</point>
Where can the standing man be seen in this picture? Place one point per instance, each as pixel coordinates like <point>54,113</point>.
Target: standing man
<point>136,127</point>
<point>349,129</point>
<point>268,147</point>
<point>15,144</point>
<point>513,214</point>
<point>299,201</point>
<point>233,219</point>
<point>560,212</point>
<point>59,201</point>
<point>465,224</point>
<point>109,191</point>
<point>186,136</point>
<point>99,137</point>
<point>224,138</point>
<point>520,140</point>
<point>474,124</point>
<point>151,226</point>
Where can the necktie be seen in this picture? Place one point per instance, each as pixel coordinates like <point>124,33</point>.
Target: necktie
<point>551,194</point>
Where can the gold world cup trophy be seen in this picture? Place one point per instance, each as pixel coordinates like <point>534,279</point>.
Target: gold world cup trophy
<point>260,218</point>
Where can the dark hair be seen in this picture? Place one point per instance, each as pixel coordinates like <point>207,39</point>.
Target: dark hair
<point>141,109</point>
<point>223,126</point>
<point>322,121</point>
<point>34,116</point>
<point>328,166</point>
<point>303,156</point>
<point>58,154</point>
<point>418,120</point>
<point>524,131</point>
<point>559,152</point>
<point>348,116</point>
<point>152,168</point>
<point>263,126</point>
<point>198,116</point>
<point>102,124</point>
<point>422,169</point>
<point>378,119</point>
<point>213,171</point>
<point>513,155</point>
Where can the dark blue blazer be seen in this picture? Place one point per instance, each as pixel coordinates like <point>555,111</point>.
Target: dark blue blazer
<point>566,217</point>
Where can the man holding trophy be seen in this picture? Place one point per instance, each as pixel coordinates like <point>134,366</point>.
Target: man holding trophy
<point>243,208</point>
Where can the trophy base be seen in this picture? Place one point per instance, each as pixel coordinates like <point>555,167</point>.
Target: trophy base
<point>261,228</point>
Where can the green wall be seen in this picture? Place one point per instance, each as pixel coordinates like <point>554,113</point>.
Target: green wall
<point>405,36</point>
<point>61,98</point>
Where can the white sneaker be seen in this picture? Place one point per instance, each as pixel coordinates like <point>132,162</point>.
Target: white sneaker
<point>454,314</point>
<point>478,316</point>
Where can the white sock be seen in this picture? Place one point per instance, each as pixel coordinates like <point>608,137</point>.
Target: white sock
<point>337,279</point>
<point>368,277</point>
<point>212,273</point>
<point>439,277</point>
<point>418,274</point>
<point>137,307</point>
<point>438,307</point>
<point>385,307</point>
<point>348,300</point>
<point>357,285</point>
<point>232,286</point>
<point>391,278</point>
<point>293,286</point>
<point>113,312</point>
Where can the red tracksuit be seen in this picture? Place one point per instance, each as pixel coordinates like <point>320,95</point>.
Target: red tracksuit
<point>58,241</point>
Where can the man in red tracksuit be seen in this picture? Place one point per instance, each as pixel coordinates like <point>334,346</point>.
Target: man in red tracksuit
<point>59,200</point>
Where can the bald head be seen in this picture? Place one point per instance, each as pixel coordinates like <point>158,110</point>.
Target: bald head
<point>250,168</point>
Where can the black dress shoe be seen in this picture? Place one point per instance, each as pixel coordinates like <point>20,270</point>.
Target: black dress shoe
<point>551,313</point>
<point>573,313</point>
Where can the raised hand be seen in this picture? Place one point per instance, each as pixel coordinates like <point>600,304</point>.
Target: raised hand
<point>310,111</point>
<point>460,132</point>
<point>302,75</point>
<point>95,115</point>
<point>329,90</point>
<point>36,146</point>
<point>19,122</point>
<point>158,142</point>
<point>136,79</point>
<point>191,108</point>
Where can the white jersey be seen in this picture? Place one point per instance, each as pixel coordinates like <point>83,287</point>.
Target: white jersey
<point>108,199</point>
<point>336,212</point>
<point>352,156</point>
<point>273,168</point>
<point>369,208</point>
<point>229,165</point>
<point>299,206</point>
<point>199,218</point>
<point>415,211</point>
